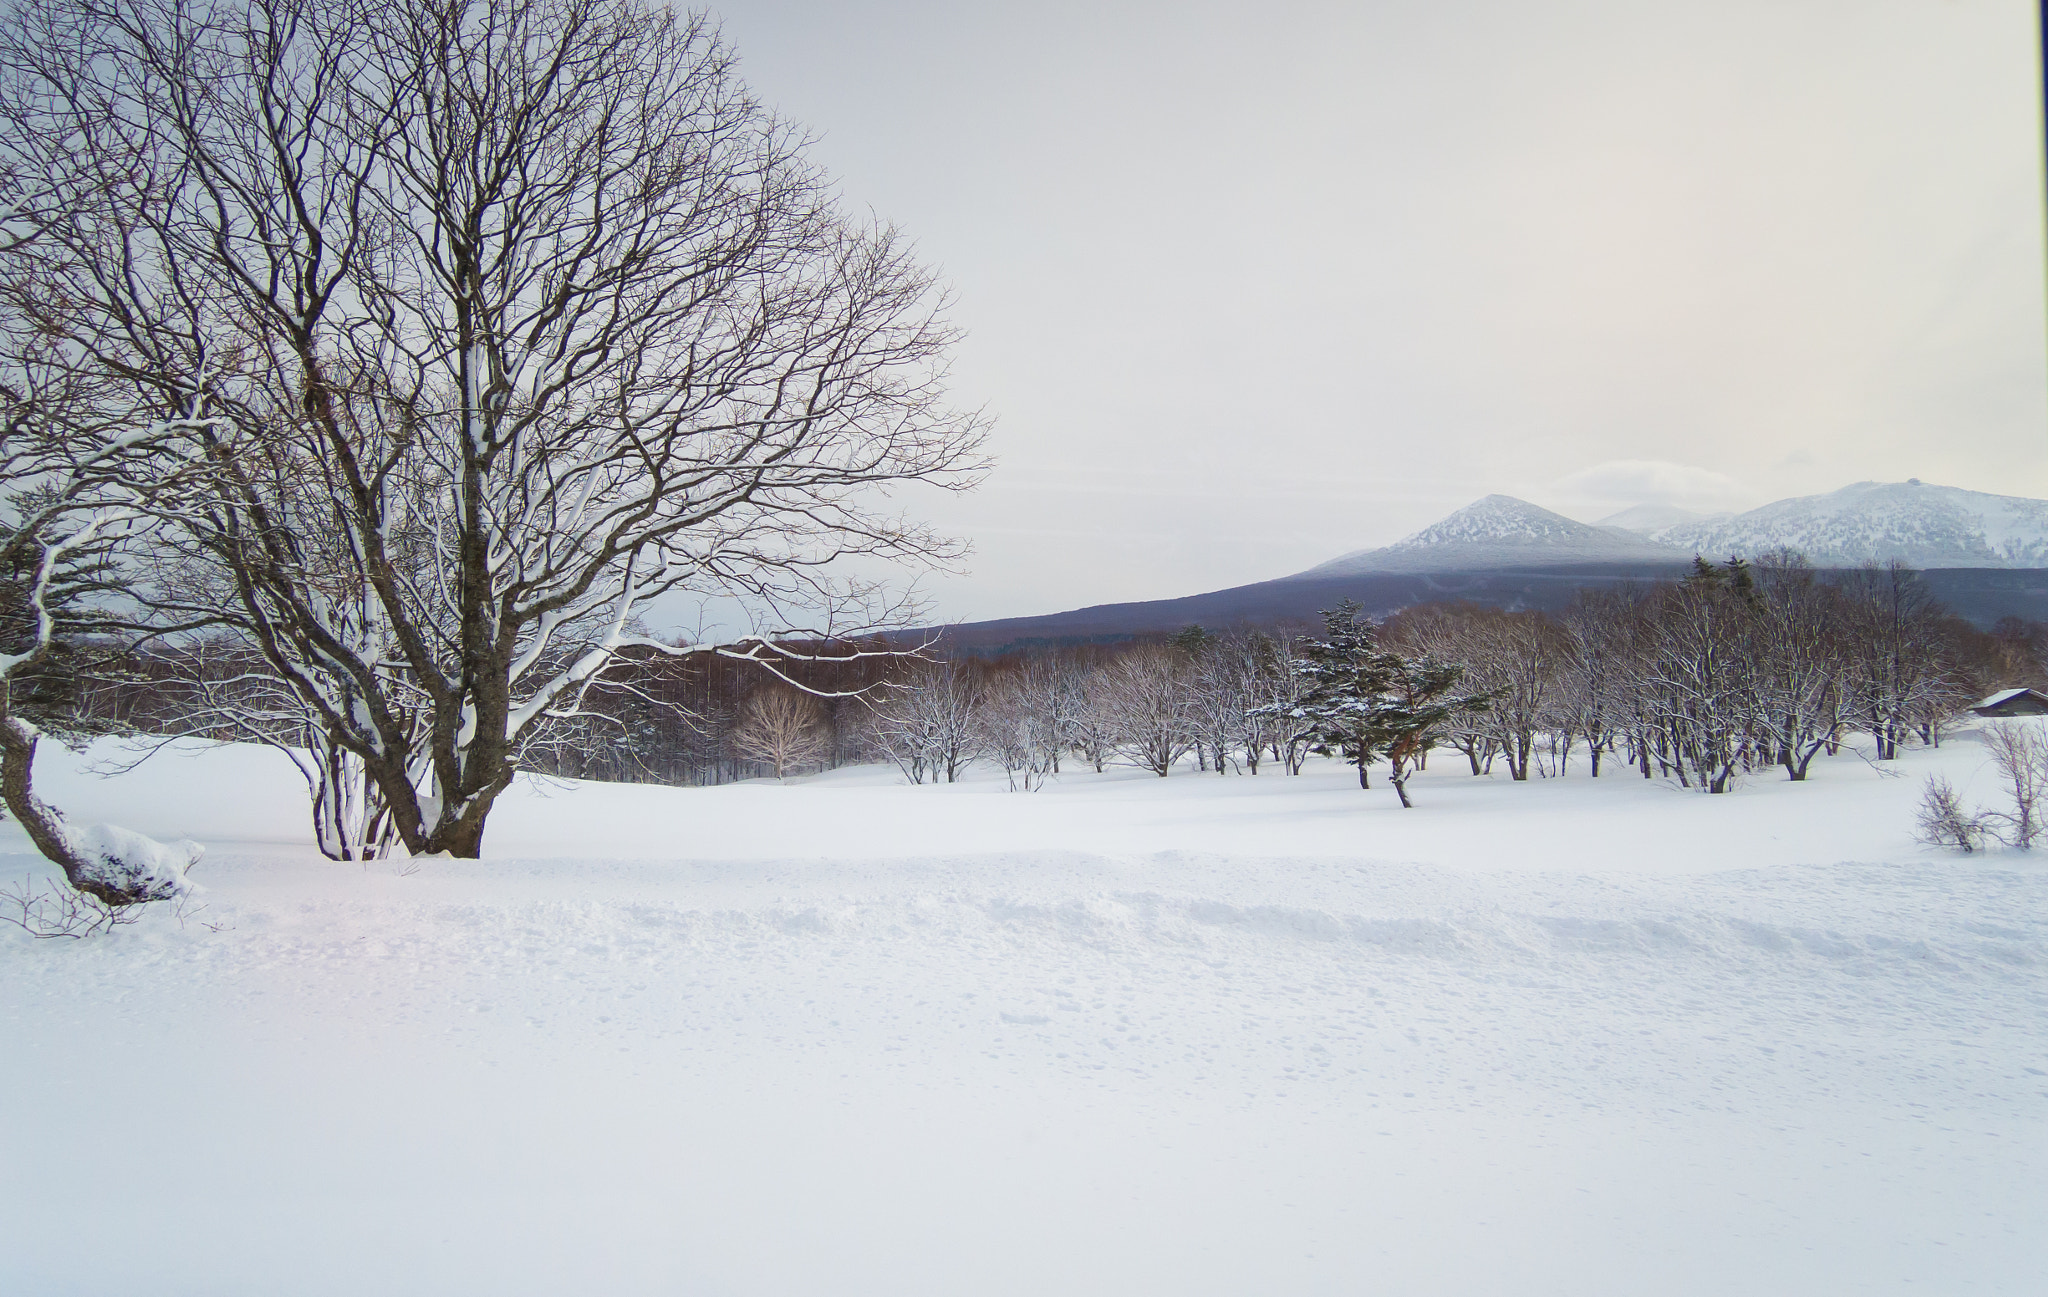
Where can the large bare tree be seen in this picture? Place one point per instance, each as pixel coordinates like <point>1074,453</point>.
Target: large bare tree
<point>782,726</point>
<point>490,322</point>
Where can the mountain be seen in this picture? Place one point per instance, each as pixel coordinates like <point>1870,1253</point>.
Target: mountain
<point>1500,532</point>
<point>1927,526</point>
<point>1986,556</point>
<point>1645,519</point>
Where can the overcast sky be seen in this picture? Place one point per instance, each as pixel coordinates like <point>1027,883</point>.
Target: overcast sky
<point>1247,288</point>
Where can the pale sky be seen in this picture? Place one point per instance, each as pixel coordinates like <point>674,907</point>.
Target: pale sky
<point>1249,287</point>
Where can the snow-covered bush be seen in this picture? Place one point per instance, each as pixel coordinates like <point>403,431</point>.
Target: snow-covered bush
<point>1944,821</point>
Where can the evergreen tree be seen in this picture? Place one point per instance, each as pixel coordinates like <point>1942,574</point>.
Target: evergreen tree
<point>1364,702</point>
<point>1423,699</point>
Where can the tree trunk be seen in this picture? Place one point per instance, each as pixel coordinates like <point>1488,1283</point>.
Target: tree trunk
<point>463,839</point>
<point>44,824</point>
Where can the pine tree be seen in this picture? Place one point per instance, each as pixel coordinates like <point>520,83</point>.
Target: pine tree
<point>1364,702</point>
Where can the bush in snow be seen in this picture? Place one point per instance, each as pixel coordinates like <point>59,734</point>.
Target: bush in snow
<point>2020,751</point>
<point>1945,822</point>
<point>118,875</point>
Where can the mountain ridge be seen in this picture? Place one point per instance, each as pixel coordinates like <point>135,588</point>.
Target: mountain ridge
<point>1508,553</point>
<point>1919,523</point>
<point>1494,532</point>
<point>1916,522</point>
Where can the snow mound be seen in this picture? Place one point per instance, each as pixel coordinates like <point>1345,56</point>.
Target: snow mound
<point>1193,1035</point>
<point>126,861</point>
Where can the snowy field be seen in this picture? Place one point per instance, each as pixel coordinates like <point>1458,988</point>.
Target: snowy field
<point>1121,1036</point>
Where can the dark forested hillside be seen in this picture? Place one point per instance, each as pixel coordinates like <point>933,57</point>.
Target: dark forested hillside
<point>1980,595</point>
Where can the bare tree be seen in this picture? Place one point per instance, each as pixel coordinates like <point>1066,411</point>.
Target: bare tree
<point>1217,698</point>
<point>1270,693</point>
<point>1895,668</point>
<point>1021,719</point>
<point>783,727</point>
<point>1092,721</point>
<point>930,723</point>
<point>1063,692</point>
<point>1801,644</point>
<point>1703,673</point>
<point>491,321</point>
<point>220,689</point>
<point>1596,629</point>
<point>2020,752</point>
<point>1517,659</point>
<point>1144,691</point>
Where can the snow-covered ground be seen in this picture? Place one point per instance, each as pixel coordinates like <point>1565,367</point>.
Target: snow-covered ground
<point>1124,1035</point>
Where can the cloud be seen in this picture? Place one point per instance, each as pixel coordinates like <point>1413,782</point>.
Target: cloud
<point>1653,481</point>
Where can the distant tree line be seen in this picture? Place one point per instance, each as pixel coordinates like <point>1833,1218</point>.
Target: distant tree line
<point>656,718</point>
<point>1739,666</point>
<point>1742,667</point>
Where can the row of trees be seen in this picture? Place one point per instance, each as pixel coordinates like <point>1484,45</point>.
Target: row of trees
<point>1150,705</point>
<point>1739,667</point>
<point>679,719</point>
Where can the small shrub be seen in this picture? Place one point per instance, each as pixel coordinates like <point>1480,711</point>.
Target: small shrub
<point>60,911</point>
<point>1945,822</point>
<point>2020,751</point>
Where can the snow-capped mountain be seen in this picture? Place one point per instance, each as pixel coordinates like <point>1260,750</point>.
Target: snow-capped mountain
<point>1927,526</point>
<point>1923,524</point>
<point>1646,519</point>
<point>1502,532</point>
